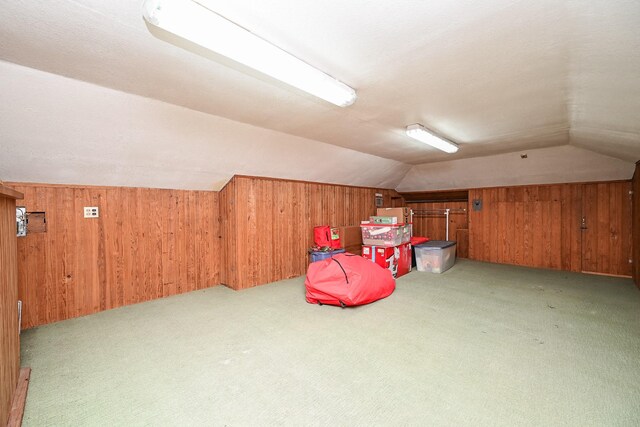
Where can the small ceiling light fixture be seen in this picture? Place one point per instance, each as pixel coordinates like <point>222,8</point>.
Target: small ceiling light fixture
<point>192,21</point>
<point>422,134</point>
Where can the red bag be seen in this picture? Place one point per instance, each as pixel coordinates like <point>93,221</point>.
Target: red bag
<point>416,240</point>
<point>347,280</point>
<point>324,235</point>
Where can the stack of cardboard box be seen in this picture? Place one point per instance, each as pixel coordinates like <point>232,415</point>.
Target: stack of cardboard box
<point>384,239</point>
<point>387,239</point>
<point>403,215</point>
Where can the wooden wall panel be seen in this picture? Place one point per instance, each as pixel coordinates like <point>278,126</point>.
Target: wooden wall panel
<point>229,235</point>
<point>535,226</point>
<point>146,244</point>
<point>268,224</point>
<point>606,239</point>
<point>9,338</point>
<point>540,226</point>
<point>433,226</point>
<point>635,243</point>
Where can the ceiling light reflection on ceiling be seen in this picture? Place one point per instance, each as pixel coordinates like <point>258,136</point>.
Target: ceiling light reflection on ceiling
<point>422,134</point>
<point>194,22</point>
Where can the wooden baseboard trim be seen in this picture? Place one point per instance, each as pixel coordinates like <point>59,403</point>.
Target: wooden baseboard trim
<point>19,398</point>
<point>624,276</point>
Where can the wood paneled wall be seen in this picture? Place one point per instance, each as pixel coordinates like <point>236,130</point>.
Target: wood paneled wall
<point>541,226</point>
<point>636,225</point>
<point>267,224</point>
<point>535,226</point>
<point>9,338</point>
<point>606,237</point>
<point>151,243</point>
<point>146,244</point>
<point>433,226</point>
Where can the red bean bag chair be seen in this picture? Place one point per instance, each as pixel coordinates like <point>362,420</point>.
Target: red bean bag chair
<point>347,280</point>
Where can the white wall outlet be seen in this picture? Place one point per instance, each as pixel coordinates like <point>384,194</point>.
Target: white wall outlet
<point>91,212</point>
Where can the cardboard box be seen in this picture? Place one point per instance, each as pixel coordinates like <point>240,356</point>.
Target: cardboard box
<point>385,235</point>
<point>390,220</point>
<point>403,214</point>
<point>396,258</point>
<point>350,236</point>
<point>351,239</point>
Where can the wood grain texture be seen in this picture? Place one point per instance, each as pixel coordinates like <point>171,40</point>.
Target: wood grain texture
<point>636,225</point>
<point>19,398</point>
<point>607,240</point>
<point>462,243</point>
<point>267,224</point>
<point>9,192</point>
<point>146,244</point>
<point>535,226</point>
<point>435,196</point>
<point>433,226</point>
<point>540,226</point>
<point>151,243</point>
<point>9,337</point>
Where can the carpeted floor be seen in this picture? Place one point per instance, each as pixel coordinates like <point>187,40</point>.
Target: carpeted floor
<point>482,344</point>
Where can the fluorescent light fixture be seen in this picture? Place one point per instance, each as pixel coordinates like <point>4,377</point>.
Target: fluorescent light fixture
<point>192,21</point>
<point>422,134</point>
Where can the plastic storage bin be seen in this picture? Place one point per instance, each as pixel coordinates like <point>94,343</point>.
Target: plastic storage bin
<point>385,235</point>
<point>320,255</point>
<point>415,241</point>
<point>436,256</point>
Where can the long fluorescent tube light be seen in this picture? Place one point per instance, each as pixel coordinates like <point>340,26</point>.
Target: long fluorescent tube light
<point>419,132</point>
<point>194,22</point>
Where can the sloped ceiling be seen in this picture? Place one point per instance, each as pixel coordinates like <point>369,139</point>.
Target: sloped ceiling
<point>496,76</point>
<point>540,166</point>
<point>59,130</point>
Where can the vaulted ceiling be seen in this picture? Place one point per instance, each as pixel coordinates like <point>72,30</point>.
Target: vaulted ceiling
<point>495,76</point>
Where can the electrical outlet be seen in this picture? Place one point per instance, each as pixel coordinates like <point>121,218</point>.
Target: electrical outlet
<point>91,212</point>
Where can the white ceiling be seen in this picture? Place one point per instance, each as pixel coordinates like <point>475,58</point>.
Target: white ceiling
<point>63,131</point>
<point>496,76</point>
<point>548,165</point>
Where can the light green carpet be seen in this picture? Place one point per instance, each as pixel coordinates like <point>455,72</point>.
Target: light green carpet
<point>482,344</point>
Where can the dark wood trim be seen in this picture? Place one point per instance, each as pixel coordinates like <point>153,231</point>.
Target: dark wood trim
<point>436,196</point>
<point>19,398</point>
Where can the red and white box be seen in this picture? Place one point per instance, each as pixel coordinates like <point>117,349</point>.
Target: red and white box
<point>395,258</point>
<point>385,235</point>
